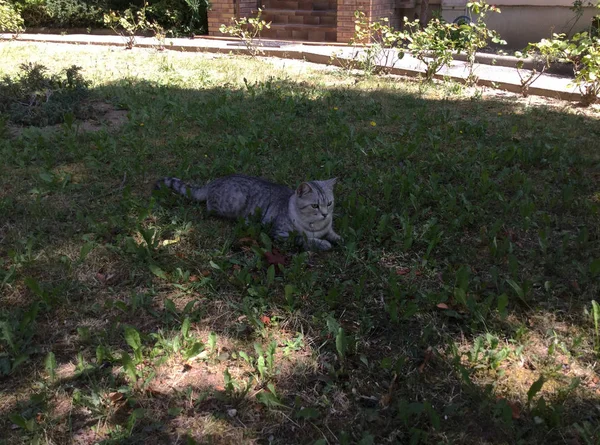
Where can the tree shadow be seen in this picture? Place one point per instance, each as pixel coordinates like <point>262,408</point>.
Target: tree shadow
<point>446,205</point>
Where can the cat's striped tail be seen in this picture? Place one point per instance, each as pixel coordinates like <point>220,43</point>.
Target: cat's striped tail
<point>190,191</point>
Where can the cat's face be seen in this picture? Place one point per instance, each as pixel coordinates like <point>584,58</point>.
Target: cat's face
<point>315,202</point>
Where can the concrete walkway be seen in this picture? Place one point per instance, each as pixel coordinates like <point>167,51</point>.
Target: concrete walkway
<point>501,77</point>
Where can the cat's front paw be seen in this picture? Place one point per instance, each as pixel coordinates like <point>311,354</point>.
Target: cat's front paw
<point>319,244</point>
<point>335,238</point>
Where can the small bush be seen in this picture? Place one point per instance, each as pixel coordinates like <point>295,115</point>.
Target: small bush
<point>473,36</point>
<point>74,13</point>
<point>378,38</point>
<point>248,30</point>
<point>582,51</point>
<point>432,45</point>
<point>34,12</point>
<point>180,16</point>
<point>37,98</point>
<point>10,19</point>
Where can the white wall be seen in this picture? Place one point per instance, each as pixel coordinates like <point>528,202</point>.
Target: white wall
<point>521,21</point>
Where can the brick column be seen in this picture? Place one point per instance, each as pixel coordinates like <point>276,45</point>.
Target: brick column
<point>221,12</point>
<point>248,8</point>
<point>345,16</point>
<point>386,9</point>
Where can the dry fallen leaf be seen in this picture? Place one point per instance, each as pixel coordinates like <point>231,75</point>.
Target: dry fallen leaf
<point>387,398</point>
<point>247,241</point>
<point>442,306</point>
<point>514,407</point>
<point>275,257</point>
<point>426,358</point>
<point>103,277</point>
<point>115,396</point>
<point>265,319</point>
<point>516,410</point>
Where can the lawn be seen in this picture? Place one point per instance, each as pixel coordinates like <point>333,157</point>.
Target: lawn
<point>458,310</point>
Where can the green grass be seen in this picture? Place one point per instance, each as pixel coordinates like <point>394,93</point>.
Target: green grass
<point>458,310</point>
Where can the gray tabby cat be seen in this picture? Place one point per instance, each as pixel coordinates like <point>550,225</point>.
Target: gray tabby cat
<point>308,211</point>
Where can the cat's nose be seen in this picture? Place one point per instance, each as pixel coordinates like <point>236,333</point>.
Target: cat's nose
<point>324,215</point>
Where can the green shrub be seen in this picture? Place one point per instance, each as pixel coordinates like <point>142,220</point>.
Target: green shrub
<point>248,31</point>
<point>37,98</point>
<point>378,38</point>
<point>34,12</point>
<point>180,16</point>
<point>432,45</point>
<point>177,16</point>
<point>582,51</point>
<point>473,36</point>
<point>75,13</point>
<point>10,19</point>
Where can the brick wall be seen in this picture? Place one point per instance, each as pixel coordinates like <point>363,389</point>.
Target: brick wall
<point>345,16</point>
<point>248,6</point>
<point>221,12</point>
<point>374,10</point>
<point>386,8</point>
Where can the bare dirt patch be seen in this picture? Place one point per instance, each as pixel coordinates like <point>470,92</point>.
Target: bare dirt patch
<point>104,116</point>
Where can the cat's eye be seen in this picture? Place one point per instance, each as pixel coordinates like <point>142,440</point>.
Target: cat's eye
<point>329,203</point>
<point>315,206</point>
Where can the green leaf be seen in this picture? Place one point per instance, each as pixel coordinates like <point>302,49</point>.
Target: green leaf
<point>185,327</point>
<point>194,350</point>
<point>174,411</point>
<point>129,367</point>
<point>596,314</point>
<point>535,388</point>
<point>268,399</point>
<point>260,365</point>
<point>502,304</point>
<point>22,422</point>
<point>157,271</point>
<point>50,365</point>
<point>7,334</point>
<point>47,177</point>
<point>518,289</point>
<point>132,337</point>
<point>308,413</point>
<point>332,325</point>
<point>85,250</point>
<point>212,341</point>
<point>170,306</point>
<point>34,286</point>
<point>264,238</point>
<point>341,343</point>
<point>271,275</point>
<point>595,267</point>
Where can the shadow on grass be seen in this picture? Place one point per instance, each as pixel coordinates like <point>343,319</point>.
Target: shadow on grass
<point>471,254</point>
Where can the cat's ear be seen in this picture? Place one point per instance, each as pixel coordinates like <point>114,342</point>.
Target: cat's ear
<point>303,189</point>
<point>330,183</point>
